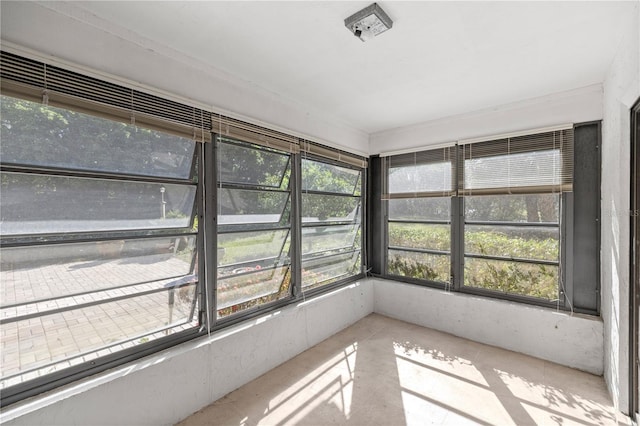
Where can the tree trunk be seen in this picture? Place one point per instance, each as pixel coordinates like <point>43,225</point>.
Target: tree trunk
<point>532,208</point>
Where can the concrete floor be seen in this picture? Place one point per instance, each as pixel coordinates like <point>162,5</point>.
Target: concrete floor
<point>384,371</point>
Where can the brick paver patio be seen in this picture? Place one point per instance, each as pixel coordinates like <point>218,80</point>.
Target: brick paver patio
<point>53,341</point>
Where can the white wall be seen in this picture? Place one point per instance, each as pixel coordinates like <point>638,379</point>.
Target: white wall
<point>621,90</point>
<point>166,387</point>
<point>65,32</point>
<point>557,336</point>
<point>574,106</point>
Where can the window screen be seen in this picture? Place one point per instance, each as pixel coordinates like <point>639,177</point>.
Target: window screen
<point>331,223</point>
<point>254,226</point>
<point>98,238</point>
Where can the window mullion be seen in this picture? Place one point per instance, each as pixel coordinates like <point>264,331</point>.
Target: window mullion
<point>208,217</point>
<point>457,242</point>
<point>295,184</point>
<point>566,289</point>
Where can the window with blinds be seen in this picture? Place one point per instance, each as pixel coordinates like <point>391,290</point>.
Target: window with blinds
<point>537,163</point>
<point>254,226</point>
<point>421,174</point>
<point>510,191</point>
<point>39,82</point>
<point>98,240</point>
<point>115,205</point>
<point>483,215</point>
<point>419,188</point>
<point>331,210</point>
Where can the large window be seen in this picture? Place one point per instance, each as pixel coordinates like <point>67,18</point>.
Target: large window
<point>254,226</point>
<point>331,223</point>
<point>130,223</point>
<point>483,217</point>
<point>98,238</point>
<point>512,244</point>
<point>510,190</point>
<point>419,209</point>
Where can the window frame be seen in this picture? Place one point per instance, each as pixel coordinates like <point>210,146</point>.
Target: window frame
<point>22,78</point>
<point>49,381</point>
<point>432,283</point>
<point>361,220</point>
<point>458,221</point>
<point>564,286</point>
<point>212,167</point>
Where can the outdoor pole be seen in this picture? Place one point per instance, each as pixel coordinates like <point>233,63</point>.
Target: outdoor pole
<point>164,203</point>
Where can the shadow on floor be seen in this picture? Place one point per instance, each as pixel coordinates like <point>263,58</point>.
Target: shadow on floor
<point>384,371</point>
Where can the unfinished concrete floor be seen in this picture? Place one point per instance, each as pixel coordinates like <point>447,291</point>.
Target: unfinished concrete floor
<point>389,372</point>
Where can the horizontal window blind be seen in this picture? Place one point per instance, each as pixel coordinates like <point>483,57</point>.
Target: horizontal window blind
<point>40,82</point>
<point>420,174</point>
<point>252,133</point>
<point>333,154</point>
<point>537,163</point>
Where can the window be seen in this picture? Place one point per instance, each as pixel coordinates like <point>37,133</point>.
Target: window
<point>130,223</point>
<point>511,190</point>
<point>331,223</point>
<point>419,210</point>
<point>512,244</point>
<point>483,217</point>
<point>254,226</point>
<point>98,238</point>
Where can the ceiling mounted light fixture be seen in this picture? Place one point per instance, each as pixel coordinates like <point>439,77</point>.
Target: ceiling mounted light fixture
<point>369,22</point>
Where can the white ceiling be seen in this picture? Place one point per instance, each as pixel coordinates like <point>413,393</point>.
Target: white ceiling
<point>439,59</point>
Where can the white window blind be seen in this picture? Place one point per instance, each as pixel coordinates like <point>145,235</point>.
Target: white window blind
<point>538,163</point>
<point>258,135</point>
<point>333,154</point>
<point>420,174</point>
<point>39,82</point>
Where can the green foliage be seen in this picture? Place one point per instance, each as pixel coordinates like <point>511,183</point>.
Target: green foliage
<point>175,214</point>
<point>243,163</point>
<point>511,277</point>
<point>408,267</point>
<point>516,208</point>
<point>317,176</point>
<point>525,245</point>
<point>252,245</point>
<point>36,134</point>
<point>435,237</point>
<point>283,291</point>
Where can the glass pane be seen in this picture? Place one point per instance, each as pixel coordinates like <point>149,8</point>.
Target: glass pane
<point>237,206</point>
<point>525,169</point>
<point>317,176</point>
<point>329,208</point>
<point>421,177</point>
<point>41,272</point>
<point>39,135</point>
<point>326,238</point>
<point>261,248</point>
<point>418,235</point>
<point>37,204</point>
<point>237,292</point>
<point>357,191</point>
<point>511,277</point>
<point>420,209</point>
<point>326,270</point>
<point>249,166</point>
<point>423,266</point>
<point>53,342</point>
<point>513,241</point>
<point>513,208</point>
